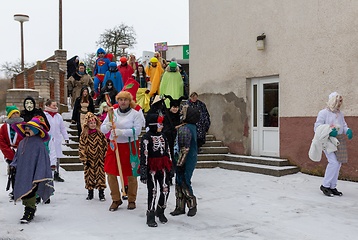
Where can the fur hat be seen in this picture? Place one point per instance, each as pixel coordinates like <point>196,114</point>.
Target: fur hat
<point>128,95</point>
<point>190,114</point>
<point>33,123</point>
<point>10,110</point>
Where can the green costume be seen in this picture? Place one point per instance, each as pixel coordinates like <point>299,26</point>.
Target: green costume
<point>171,84</point>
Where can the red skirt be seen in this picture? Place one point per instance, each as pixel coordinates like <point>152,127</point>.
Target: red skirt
<point>110,162</point>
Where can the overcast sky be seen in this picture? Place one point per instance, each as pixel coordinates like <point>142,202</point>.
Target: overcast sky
<point>83,22</point>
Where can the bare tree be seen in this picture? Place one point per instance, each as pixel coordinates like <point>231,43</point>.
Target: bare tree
<point>111,38</point>
<point>10,68</point>
<point>90,60</point>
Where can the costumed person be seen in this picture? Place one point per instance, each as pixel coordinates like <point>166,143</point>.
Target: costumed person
<point>108,89</point>
<point>158,106</point>
<point>171,83</point>
<point>186,162</point>
<point>9,141</point>
<point>92,149</point>
<point>72,65</point>
<point>114,75</point>
<point>132,62</point>
<point>143,98</point>
<point>103,112</point>
<point>33,167</point>
<point>111,57</point>
<point>203,124</point>
<point>128,122</point>
<point>171,120</point>
<point>30,111</point>
<point>185,78</point>
<point>77,81</point>
<point>335,118</point>
<point>159,57</point>
<point>57,131</point>
<point>83,105</point>
<point>154,72</point>
<point>100,69</point>
<point>155,166</point>
<point>125,70</point>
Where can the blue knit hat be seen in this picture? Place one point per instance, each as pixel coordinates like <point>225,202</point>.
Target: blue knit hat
<point>100,50</point>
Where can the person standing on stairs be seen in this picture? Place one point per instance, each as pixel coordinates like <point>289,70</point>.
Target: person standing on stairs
<point>335,118</point>
<point>57,128</point>
<point>83,105</point>
<point>92,149</point>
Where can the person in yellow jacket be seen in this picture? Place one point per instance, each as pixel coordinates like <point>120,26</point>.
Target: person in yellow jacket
<point>154,71</point>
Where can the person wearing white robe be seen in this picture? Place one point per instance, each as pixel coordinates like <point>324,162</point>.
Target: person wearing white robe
<point>335,118</point>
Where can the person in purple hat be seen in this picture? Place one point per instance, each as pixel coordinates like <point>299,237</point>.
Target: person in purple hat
<point>32,165</point>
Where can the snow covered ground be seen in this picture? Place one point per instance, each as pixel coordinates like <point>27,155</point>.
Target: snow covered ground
<point>231,205</point>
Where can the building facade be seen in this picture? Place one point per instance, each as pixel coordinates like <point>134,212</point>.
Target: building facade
<point>265,102</point>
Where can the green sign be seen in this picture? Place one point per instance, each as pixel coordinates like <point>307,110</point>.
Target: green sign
<point>185,51</point>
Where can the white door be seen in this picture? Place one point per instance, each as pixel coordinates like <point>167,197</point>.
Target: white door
<point>265,117</point>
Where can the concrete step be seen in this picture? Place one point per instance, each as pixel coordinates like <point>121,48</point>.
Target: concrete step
<point>249,167</point>
<point>73,127</point>
<point>68,159</point>
<point>67,119</point>
<point>214,150</point>
<point>213,144</point>
<point>72,145</point>
<point>72,132</point>
<point>73,138</point>
<point>73,166</point>
<point>70,152</point>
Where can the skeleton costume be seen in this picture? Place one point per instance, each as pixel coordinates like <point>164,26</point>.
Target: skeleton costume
<point>155,165</point>
<point>335,118</point>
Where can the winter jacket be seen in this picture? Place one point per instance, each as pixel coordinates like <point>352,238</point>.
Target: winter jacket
<point>322,141</point>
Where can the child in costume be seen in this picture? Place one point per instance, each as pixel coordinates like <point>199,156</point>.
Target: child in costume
<point>103,111</point>
<point>92,149</point>
<point>155,166</point>
<point>187,142</point>
<point>100,69</point>
<point>125,70</point>
<point>143,98</point>
<point>32,164</point>
<point>9,139</point>
<point>335,118</point>
<point>57,131</point>
<point>107,89</point>
<point>171,83</point>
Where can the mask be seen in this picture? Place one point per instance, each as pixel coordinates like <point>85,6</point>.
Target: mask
<point>29,105</point>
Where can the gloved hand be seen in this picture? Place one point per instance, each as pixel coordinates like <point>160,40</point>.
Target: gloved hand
<point>333,133</point>
<point>118,132</point>
<point>349,133</point>
<point>147,91</point>
<point>109,126</point>
<point>144,181</point>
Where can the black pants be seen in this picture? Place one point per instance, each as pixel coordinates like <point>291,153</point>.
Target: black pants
<point>162,178</point>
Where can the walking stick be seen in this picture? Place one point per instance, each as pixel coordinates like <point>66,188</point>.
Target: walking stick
<point>113,143</point>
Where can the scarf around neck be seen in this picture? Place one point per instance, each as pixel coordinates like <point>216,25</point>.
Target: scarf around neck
<point>51,111</point>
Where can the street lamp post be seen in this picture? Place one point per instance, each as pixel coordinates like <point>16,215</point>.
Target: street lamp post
<point>22,18</point>
<point>123,46</point>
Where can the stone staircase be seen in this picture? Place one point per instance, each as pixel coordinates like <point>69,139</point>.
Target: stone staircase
<point>213,154</point>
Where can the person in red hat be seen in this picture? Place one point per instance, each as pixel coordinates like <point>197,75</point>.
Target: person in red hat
<point>125,70</point>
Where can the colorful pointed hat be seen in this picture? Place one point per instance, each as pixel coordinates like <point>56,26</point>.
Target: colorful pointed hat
<point>20,128</point>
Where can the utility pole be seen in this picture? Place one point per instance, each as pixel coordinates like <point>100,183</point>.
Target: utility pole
<point>22,18</point>
<point>60,25</point>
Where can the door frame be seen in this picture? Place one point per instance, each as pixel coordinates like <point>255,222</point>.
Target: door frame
<point>258,132</point>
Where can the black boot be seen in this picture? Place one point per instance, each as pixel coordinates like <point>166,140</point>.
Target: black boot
<point>57,178</point>
<point>192,211</point>
<point>151,219</point>
<point>90,195</point>
<point>160,214</point>
<point>38,200</point>
<point>326,191</point>
<point>48,201</point>
<point>28,215</point>
<point>336,192</point>
<point>101,195</point>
